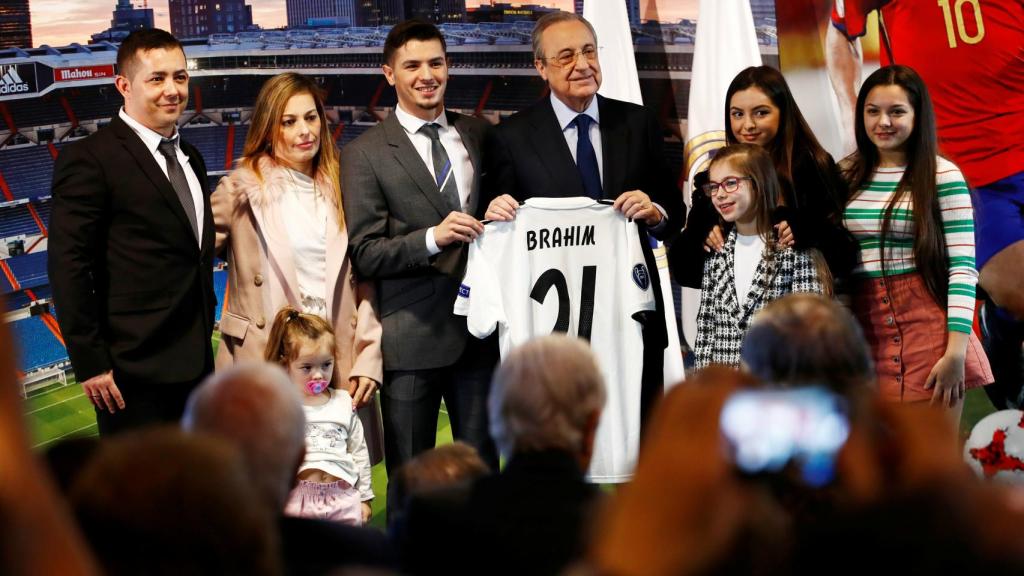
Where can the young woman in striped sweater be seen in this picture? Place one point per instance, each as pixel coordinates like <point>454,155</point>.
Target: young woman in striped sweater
<point>911,212</point>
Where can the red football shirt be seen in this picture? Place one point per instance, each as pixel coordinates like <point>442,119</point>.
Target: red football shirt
<point>970,53</point>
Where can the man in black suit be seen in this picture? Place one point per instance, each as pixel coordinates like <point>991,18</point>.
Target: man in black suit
<point>131,247</point>
<point>577,143</point>
<point>410,185</point>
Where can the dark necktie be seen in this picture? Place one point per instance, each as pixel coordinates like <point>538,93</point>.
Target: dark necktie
<point>443,174</point>
<point>586,158</point>
<point>178,181</point>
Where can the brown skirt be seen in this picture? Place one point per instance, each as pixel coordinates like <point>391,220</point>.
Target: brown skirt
<point>907,332</point>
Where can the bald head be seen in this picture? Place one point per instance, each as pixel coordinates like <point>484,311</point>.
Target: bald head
<point>256,408</point>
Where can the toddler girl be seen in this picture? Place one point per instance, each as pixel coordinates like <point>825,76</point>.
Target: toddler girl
<point>334,479</point>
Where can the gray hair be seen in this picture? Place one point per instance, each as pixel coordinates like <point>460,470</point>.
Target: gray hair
<point>255,407</point>
<point>543,395</point>
<point>550,19</point>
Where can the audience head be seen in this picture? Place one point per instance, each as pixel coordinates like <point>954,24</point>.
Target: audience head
<point>153,79</point>
<point>440,467</point>
<point>760,109</point>
<point>687,511</point>
<point>448,467</point>
<point>565,53</point>
<point>808,339</point>
<point>547,395</point>
<point>416,64</point>
<point>160,501</point>
<point>305,346</point>
<point>744,188</point>
<point>255,408</point>
<point>290,126</point>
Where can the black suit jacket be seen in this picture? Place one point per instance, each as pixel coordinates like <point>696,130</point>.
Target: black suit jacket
<point>527,156</point>
<point>390,201</point>
<point>132,287</point>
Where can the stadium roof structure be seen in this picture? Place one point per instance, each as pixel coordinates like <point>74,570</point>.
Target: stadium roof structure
<point>663,50</point>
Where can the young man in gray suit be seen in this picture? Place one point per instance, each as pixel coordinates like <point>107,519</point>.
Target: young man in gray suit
<point>409,186</point>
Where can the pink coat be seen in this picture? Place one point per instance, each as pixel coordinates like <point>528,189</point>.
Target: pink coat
<point>262,277</point>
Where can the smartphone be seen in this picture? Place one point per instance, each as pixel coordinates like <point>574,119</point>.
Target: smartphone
<point>766,430</point>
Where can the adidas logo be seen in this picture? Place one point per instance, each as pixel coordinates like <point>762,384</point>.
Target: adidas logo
<point>10,81</point>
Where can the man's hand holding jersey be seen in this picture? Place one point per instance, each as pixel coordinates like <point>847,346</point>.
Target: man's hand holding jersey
<point>634,204</point>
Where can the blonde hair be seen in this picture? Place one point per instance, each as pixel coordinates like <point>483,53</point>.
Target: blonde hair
<point>289,329</point>
<point>264,127</point>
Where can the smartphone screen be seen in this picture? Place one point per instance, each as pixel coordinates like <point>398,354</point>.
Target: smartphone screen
<point>766,430</point>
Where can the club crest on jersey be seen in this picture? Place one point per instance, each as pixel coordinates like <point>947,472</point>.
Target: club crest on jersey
<point>641,277</point>
<point>463,291</point>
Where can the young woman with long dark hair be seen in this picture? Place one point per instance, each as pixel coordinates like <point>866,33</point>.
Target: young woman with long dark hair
<point>911,212</point>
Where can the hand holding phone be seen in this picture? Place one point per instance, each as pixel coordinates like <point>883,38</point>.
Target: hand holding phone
<point>765,430</point>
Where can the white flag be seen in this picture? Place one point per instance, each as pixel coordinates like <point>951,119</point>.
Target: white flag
<point>620,81</point>
<point>726,43</point>
<point>615,42</point>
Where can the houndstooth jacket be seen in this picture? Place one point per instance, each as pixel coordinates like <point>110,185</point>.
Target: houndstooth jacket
<point>721,323</point>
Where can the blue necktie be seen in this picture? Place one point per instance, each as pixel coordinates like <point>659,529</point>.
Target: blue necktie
<point>586,158</point>
<point>442,168</point>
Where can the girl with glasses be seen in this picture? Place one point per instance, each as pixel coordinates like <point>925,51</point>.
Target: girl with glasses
<point>911,212</point>
<point>752,268</point>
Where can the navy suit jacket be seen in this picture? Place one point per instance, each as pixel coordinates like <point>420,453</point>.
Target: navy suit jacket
<point>527,156</point>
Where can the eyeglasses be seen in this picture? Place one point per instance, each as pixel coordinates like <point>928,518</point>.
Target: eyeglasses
<point>568,58</point>
<point>730,185</point>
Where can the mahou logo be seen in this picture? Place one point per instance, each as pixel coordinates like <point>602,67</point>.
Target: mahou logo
<point>11,82</point>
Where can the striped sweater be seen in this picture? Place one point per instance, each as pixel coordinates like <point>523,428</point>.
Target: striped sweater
<point>863,217</point>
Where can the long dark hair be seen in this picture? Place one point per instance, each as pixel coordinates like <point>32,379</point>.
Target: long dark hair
<point>919,177</point>
<point>794,134</point>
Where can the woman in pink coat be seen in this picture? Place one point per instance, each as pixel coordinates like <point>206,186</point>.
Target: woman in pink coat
<point>279,216</point>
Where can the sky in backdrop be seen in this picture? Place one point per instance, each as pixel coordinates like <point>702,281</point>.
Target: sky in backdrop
<point>61,22</point>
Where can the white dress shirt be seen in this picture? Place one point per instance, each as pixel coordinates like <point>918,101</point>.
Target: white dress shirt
<point>151,140</point>
<point>566,115</point>
<point>462,167</point>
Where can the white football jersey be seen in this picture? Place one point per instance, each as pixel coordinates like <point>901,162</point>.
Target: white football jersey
<point>569,265</point>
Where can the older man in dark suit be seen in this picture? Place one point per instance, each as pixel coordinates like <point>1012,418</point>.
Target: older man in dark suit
<point>577,143</point>
<point>409,186</point>
<point>131,247</point>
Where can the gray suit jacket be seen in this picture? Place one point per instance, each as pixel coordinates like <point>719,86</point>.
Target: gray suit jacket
<point>390,200</point>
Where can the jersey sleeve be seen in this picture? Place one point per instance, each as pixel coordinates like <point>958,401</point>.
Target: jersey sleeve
<point>850,16</point>
<point>640,289</point>
<point>958,229</point>
<point>479,298</point>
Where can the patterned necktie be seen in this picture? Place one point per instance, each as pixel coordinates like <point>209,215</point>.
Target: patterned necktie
<point>586,158</point>
<point>179,182</point>
<point>443,175</point>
